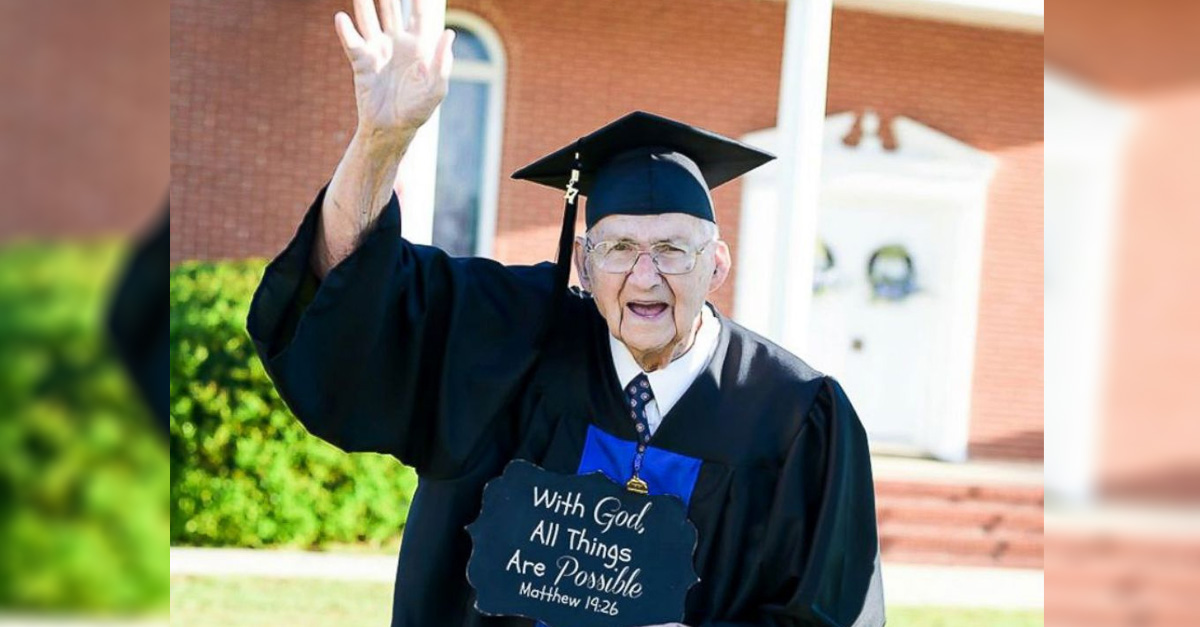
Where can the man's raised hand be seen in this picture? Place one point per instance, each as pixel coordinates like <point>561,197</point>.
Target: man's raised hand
<point>400,76</point>
<point>401,72</point>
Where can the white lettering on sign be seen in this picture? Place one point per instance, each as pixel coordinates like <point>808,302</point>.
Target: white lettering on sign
<point>578,540</point>
<point>546,533</point>
<point>608,514</point>
<point>523,566</point>
<point>549,594</point>
<point>623,583</point>
<point>570,504</point>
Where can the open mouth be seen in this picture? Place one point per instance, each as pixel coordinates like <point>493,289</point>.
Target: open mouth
<point>647,311</point>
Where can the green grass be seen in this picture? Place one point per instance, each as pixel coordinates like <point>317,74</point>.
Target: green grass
<point>238,601</point>
<point>245,601</point>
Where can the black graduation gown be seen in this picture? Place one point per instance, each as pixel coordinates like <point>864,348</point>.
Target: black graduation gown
<point>442,363</point>
<point>139,319</point>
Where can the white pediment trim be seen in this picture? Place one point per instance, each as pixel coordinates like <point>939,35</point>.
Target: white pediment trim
<point>921,152</point>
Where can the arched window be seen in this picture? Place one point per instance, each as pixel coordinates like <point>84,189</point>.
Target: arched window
<point>469,135</point>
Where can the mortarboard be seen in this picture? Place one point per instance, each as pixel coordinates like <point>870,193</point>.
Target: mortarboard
<point>640,164</point>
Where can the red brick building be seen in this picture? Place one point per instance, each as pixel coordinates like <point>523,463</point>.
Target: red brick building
<point>262,106</point>
<point>85,119</point>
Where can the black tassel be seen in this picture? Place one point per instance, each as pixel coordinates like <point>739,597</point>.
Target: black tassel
<point>566,242</point>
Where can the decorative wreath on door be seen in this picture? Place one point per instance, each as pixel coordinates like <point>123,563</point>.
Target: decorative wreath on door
<point>823,273</point>
<point>892,273</point>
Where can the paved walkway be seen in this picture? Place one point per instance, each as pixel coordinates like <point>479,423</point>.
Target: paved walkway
<point>962,586</point>
<point>903,584</point>
<point>981,472</point>
<point>283,564</point>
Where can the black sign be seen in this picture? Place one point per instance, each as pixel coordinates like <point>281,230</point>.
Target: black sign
<point>579,551</point>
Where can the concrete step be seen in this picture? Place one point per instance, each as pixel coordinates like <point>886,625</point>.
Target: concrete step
<point>973,522</point>
<point>984,515</point>
<point>925,558</point>
<point>967,514</point>
<point>1109,565</point>
<point>1010,494</point>
<point>965,546</point>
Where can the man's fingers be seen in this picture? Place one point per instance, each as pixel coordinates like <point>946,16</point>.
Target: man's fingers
<point>414,17</point>
<point>351,40</point>
<point>443,55</point>
<point>391,16</point>
<point>368,21</point>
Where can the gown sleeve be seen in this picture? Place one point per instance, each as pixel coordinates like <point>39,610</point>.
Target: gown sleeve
<point>401,349</point>
<point>822,546</point>
<point>139,320</point>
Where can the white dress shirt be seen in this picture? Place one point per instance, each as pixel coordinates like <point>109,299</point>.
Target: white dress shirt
<point>668,384</point>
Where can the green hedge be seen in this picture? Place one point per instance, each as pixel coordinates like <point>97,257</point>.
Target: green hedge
<point>244,472</point>
<point>83,471</point>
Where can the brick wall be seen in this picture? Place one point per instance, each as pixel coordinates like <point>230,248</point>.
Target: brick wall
<point>262,107</point>
<point>1141,56</point>
<point>1149,433</point>
<point>83,115</point>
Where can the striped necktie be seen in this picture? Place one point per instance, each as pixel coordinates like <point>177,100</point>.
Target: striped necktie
<point>639,395</point>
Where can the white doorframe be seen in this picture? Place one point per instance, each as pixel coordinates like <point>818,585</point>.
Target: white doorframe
<point>1087,134</point>
<point>416,178</point>
<point>928,169</point>
<point>492,73</point>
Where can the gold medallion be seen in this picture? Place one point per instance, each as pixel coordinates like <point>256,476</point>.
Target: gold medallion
<point>637,486</point>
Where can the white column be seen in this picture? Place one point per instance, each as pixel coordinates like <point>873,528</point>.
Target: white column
<point>416,180</point>
<point>1086,139</point>
<point>801,122</point>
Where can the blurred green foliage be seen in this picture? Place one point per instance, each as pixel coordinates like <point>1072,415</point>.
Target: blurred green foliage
<point>244,472</point>
<point>83,471</point>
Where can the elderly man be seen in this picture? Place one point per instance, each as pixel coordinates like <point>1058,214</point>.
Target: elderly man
<point>457,366</point>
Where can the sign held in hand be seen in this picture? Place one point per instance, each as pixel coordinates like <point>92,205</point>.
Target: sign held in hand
<point>579,551</point>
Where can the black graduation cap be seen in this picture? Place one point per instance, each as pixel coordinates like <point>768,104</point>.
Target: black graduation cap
<point>640,164</point>
<point>645,164</point>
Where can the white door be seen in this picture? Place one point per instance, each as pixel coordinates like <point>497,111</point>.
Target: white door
<point>906,361</point>
<point>879,342</point>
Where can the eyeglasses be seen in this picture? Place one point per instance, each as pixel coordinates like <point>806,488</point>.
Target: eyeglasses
<point>620,256</point>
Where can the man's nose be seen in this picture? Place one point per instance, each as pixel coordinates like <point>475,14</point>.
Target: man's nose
<point>644,274</point>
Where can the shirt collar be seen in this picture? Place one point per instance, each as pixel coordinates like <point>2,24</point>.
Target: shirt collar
<point>669,384</point>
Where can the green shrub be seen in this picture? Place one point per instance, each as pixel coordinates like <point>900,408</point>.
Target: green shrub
<point>244,472</point>
<point>83,471</point>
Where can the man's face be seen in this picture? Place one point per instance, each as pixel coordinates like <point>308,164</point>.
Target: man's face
<point>650,312</point>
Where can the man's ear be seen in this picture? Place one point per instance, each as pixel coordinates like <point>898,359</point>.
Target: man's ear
<point>581,269</point>
<point>722,262</point>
